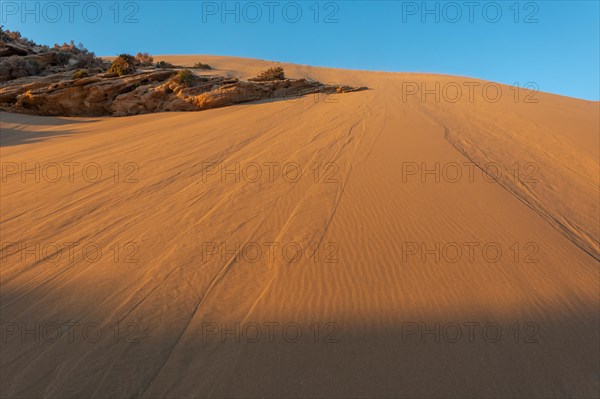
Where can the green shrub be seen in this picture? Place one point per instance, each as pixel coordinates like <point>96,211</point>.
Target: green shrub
<point>164,64</point>
<point>275,73</point>
<point>124,64</point>
<point>185,78</point>
<point>82,73</point>
<point>205,67</point>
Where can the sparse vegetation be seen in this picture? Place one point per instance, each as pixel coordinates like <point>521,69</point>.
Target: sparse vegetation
<point>124,64</point>
<point>60,79</point>
<point>164,64</point>
<point>205,67</point>
<point>144,59</point>
<point>185,78</point>
<point>76,55</point>
<point>18,67</point>
<point>14,36</point>
<point>82,73</point>
<point>275,73</point>
<point>22,57</point>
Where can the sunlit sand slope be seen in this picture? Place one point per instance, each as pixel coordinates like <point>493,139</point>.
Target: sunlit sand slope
<point>384,243</point>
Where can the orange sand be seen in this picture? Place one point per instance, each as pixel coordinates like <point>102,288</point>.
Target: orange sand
<point>353,198</point>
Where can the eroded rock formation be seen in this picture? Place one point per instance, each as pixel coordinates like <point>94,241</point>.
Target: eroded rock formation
<point>40,80</point>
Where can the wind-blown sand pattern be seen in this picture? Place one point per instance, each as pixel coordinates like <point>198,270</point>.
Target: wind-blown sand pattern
<point>362,210</point>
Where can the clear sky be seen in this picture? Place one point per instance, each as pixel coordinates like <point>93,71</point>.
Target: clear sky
<point>554,44</point>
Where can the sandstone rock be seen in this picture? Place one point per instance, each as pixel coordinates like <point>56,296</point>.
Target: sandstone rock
<point>11,48</point>
<point>39,80</point>
<point>92,96</point>
<point>145,92</point>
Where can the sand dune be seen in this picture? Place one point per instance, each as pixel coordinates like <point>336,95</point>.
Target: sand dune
<point>368,222</point>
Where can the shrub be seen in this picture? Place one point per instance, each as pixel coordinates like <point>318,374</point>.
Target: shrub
<point>14,36</point>
<point>144,59</point>
<point>18,67</point>
<point>128,57</point>
<point>68,56</point>
<point>76,54</point>
<point>164,64</point>
<point>275,73</point>
<point>82,73</point>
<point>124,64</point>
<point>88,60</point>
<point>205,67</point>
<point>62,58</point>
<point>185,78</point>
<point>68,47</point>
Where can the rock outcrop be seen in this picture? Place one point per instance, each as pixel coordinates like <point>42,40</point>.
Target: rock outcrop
<point>145,92</point>
<point>50,88</point>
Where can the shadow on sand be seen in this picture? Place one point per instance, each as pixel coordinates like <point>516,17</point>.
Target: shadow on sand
<point>11,136</point>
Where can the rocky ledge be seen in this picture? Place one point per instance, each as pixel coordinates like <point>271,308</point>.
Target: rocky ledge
<point>68,80</point>
<point>145,92</point>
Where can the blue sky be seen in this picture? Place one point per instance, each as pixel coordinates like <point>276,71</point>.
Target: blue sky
<point>554,44</point>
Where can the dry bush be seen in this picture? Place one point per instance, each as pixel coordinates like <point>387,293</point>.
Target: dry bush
<point>164,64</point>
<point>275,73</point>
<point>124,64</point>
<point>144,59</point>
<point>82,73</point>
<point>185,78</point>
<point>205,67</point>
<point>17,67</point>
